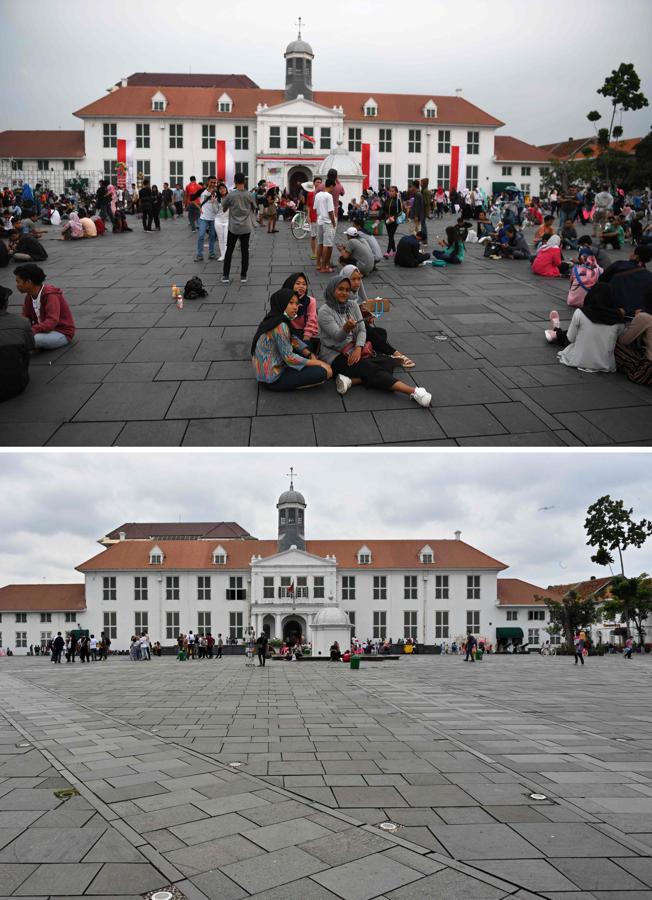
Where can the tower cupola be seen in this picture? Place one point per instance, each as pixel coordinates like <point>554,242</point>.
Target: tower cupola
<point>298,68</point>
<point>291,518</point>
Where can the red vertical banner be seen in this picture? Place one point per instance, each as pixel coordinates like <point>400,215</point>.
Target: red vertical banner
<point>365,162</point>
<point>220,148</point>
<point>121,164</point>
<point>455,167</point>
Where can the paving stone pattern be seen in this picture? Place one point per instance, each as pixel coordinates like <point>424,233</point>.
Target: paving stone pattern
<point>449,751</point>
<point>189,379</point>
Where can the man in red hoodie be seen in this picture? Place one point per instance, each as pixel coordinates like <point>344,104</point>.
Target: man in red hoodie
<point>45,306</point>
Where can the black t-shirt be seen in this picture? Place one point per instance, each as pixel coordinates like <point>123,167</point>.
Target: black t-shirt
<point>31,246</point>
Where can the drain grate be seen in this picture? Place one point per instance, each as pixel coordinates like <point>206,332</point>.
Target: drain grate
<point>66,793</point>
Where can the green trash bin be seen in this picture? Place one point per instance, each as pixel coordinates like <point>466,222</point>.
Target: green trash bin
<point>181,656</point>
<point>355,662</point>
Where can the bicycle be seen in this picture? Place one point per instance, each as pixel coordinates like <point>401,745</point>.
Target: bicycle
<point>300,225</point>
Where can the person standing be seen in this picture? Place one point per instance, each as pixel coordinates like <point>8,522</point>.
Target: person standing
<point>604,203</point>
<point>392,209</point>
<point>241,207</point>
<point>177,199</point>
<point>146,205</point>
<point>57,648</point>
<point>192,194</point>
<point>93,647</point>
<point>326,224</point>
<point>221,221</point>
<point>262,644</point>
<point>579,649</point>
<point>471,644</point>
<point>417,212</point>
<point>218,646</point>
<point>166,199</point>
<point>209,204</point>
<point>310,188</point>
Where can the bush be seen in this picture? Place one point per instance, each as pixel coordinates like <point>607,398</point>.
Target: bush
<point>276,642</point>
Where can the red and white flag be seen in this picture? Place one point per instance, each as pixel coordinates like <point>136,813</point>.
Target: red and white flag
<point>125,162</point>
<point>458,169</point>
<point>225,162</point>
<point>307,137</point>
<point>370,166</point>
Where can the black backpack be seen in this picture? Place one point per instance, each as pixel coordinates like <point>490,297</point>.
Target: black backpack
<point>194,289</point>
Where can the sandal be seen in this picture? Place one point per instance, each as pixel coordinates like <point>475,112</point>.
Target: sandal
<point>406,362</point>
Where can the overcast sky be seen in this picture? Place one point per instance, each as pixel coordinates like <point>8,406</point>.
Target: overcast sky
<point>54,507</point>
<point>535,66</point>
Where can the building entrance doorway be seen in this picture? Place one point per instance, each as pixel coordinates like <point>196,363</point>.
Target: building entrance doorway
<point>296,177</point>
<point>294,631</point>
<point>269,626</point>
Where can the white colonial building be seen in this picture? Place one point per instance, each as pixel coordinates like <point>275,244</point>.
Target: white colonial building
<point>169,578</point>
<point>173,125</point>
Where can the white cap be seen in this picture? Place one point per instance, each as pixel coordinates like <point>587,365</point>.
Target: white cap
<point>352,231</point>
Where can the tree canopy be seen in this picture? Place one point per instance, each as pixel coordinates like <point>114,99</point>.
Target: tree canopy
<point>609,526</point>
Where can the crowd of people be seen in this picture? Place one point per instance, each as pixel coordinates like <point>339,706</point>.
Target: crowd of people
<point>304,341</point>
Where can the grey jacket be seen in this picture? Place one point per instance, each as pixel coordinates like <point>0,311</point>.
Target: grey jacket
<point>332,335</point>
<point>241,207</point>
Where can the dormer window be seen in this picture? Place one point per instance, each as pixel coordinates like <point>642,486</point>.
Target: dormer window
<point>426,556</point>
<point>371,108</point>
<point>430,110</point>
<point>159,102</point>
<point>224,104</point>
<point>364,556</point>
<point>219,556</point>
<point>156,556</point>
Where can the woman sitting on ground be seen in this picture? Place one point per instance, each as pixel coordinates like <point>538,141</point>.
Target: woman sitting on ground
<point>376,336</point>
<point>281,362</point>
<point>336,653</point>
<point>454,252</point>
<point>345,348</point>
<point>73,230</point>
<point>633,349</point>
<point>549,262</point>
<point>305,326</point>
<point>589,343</point>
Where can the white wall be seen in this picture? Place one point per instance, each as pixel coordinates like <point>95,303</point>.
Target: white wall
<point>34,628</point>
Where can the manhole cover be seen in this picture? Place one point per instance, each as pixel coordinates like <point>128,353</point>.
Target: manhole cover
<point>388,826</point>
<point>538,796</point>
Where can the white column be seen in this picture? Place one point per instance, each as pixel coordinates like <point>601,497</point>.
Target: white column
<point>278,630</point>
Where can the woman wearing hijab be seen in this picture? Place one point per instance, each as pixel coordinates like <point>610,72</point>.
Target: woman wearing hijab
<point>305,325</point>
<point>73,230</point>
<point>549,262</point>
<point>345,347</point>
<point>376,336</point>
<point>453,253</point>
<point>591,337</point>
<point>281,362</point>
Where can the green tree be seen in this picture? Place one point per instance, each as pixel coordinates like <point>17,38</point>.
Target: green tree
<point>623,89</point>
<point>631,599</point>
<point>567,172</point>
<point>571,614</point>
<point>609,526</point>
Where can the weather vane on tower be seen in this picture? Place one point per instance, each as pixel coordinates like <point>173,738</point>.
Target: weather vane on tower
<point>291,475</point>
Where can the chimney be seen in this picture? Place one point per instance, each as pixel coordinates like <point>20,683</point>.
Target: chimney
<point>458,535</point>
<point>123,82</point>
<point>458,92</point>
<point>122,535</point>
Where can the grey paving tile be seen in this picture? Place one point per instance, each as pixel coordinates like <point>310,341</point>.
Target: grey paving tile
<point>272,869</point>
<point>367,877</point>
<point>450,884</point>
<point>143,401</point>
<point>152,434</point>
<point>92,434</point>
<point>58,879</point>
<point>126,878</point>
<point>484,841</point>
<point>12,876</point>
<point>218,853</point>
<point>345,846</point>
<point>534,874</point>
<point>558,840</point>
<point>51,845</point>
<point>297,890</point>
<point>216,886</point>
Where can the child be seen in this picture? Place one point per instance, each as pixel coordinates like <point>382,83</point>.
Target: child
<point>568,236</point>
<point>271,211</point>
<point>544,231</point>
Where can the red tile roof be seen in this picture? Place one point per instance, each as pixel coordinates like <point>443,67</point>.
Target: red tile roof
<point>201,102</point>
<point>144,531</point>
<point>515,592</point>
<point>127,555</point>
<point>510,149</point>
<point>584,588</point>
<point>572,149</point>
<point>42,144</point>
<point>178,79</point>
<point>43,598</point>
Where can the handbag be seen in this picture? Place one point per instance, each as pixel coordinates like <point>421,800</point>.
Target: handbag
<point>367,350</point>
<point>400,219</point>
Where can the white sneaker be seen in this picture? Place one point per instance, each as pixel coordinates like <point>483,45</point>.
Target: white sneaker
<point>221,259</point>
<point>422,397</point>
<point>342,384</point>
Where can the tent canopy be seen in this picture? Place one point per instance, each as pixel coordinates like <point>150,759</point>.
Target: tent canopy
<point>509,634</point>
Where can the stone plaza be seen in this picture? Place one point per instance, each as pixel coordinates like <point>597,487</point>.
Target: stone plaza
<point>141,372</point>
<point>517,777</point>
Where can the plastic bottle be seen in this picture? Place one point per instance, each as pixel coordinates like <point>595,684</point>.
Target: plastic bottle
<point>179,299</point>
